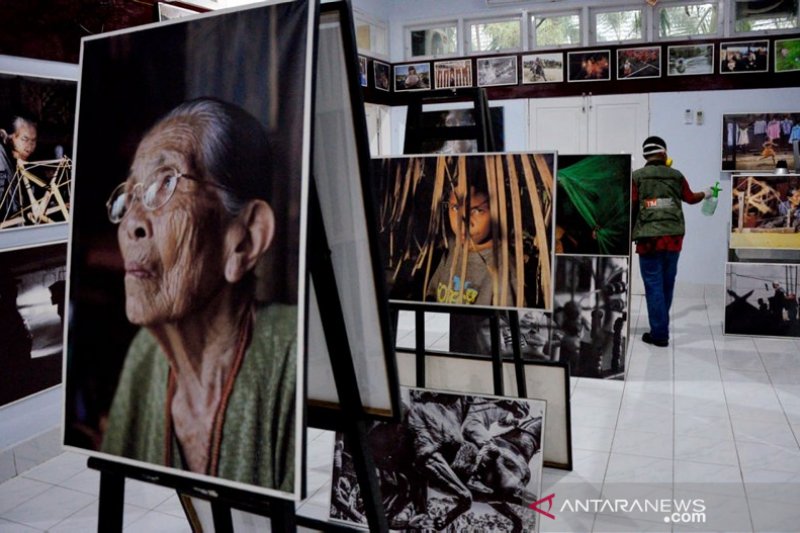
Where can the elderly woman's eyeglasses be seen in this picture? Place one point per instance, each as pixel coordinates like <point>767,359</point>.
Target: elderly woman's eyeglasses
<point>154,193</point>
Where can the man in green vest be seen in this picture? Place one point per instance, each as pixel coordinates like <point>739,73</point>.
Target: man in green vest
<point>658,229</point>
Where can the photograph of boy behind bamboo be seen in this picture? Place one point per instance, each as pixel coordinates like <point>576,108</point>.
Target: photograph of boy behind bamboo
<point>762,299</point>
<point>758,141</point>
<point>765,212</point>
<point>468,230</point>
<point>593,204</point>
<point>590,315</point>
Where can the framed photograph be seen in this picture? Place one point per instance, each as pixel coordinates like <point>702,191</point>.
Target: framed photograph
<point>592,300</point>
<point>454,490</point>
<point>362,71</point>
<point>496,253</point>
<point>755,142</point>
<point>744,57</point>
<point>32,299</point>
<point>765,211</point>
<point>638,63</point>
<point>437,125</point>
<point>589,66</point>
<point>156,204</point>
<point>453,74</point>
<point>412,77</point>
<point>35,150</point>
<point>690,59</point>
<point>493,71</point>
<point>542,68</point>
<point>593,205</point>
<point>381,71</point>
<point>762,300</point>
<point>787,55</point>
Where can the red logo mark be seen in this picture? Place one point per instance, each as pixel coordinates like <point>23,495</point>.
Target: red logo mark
<point>549,500</point>
<point>651,202</point>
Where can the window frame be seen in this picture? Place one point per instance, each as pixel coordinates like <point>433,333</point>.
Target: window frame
<point>360,18</point>
<point>511,17</point>
<point>529,21</point>
<point>644,10</point>
<point>656,18</point>
<point>731,24</point>
<point>432,24</point>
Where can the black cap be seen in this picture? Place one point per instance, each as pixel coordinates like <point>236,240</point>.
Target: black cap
<point>653,145</point>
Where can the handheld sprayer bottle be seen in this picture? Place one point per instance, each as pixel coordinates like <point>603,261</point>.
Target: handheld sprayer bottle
<point>710,203</point>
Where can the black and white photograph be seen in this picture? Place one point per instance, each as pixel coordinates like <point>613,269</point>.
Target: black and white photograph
<point>382,73</point>
<point>453,74</point>
<point>542,68</point>
<point>362,71</point>
<point>757,142</point>
<point>593,204</point>
<point>181,233</point>
<point>412,77</point>
<point>591,314</point>
<point>454,462</point>
<point>639,63</point>
<point>471,334</point>
<point>589,66</point>
<point>441,121</point>
<point>38,121</point>
<point>494,71</point>
<point>32,291</point>
<point>690,60</point>
<point>765,212</point>
<point>762,299</point>
<point>744,57</point>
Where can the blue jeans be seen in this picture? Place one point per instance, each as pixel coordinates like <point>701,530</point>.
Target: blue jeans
<point>658,274</point>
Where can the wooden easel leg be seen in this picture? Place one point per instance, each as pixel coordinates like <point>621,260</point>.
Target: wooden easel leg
<point>282,516</point>
<point>223,522</point>
<point>497,357</point>
<point>112,496</point>
<point>519,368</point>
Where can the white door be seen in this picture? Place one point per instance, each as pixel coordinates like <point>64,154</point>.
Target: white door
<point>558,124</point>
<point>378,129</point>
<point>618,124</point>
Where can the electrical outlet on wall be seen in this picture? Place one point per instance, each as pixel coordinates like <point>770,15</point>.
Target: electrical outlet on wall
<point>699,118</point>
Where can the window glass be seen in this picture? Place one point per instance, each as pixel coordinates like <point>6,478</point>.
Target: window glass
<point>618,26</point>
<point>688,20</point>
<point>761,15</point>
<point>437,41</point>
<point>371,38</point>
<point>556,30</point>
<point>495,36</point>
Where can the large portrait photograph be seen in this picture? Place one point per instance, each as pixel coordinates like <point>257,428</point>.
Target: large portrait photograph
<point>454,462</point>
<point>468,229</point>
<point>38,119</point>
<point>187,265</point>
<point>32,288</point>
<point>762,300</point>
<point>593,204</point>
<point>765,212</point>
<point>758,141</point>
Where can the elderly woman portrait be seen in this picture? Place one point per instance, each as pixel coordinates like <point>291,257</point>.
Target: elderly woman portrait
<point>208,383</point>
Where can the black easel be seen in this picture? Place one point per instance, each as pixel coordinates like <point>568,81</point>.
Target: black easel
<point>417,133</point>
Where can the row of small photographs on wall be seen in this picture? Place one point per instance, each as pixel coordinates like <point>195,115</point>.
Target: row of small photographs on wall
<point>736,57</point>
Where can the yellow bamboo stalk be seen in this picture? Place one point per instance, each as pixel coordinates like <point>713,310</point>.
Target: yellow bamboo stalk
<point>504,256</point>
<point>541,229</point>
<point>494,210</point>
<point>516,209</point>
<point>462,226</point>
<point>432,221</point>
<point>544,171</point>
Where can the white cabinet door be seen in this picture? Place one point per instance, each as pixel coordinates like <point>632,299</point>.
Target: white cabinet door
<point>378,129</point>
<point>558,124</point>
<point>618,124</point>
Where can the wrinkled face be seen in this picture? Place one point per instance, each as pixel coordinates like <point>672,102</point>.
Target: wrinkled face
<point>174,260</point>
<point>480,220</point>
<point>23,141</point>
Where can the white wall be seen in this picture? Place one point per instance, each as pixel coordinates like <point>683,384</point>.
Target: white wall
<point>697,152</point>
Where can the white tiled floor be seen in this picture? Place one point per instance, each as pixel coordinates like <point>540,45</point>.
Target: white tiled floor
<point>709,417</point>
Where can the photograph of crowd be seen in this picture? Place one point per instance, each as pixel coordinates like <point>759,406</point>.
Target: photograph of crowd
<point>161,194</point>
<point>542,68</point>
<point>690,60</point>
<point>589,66</point>
<point>762,299</point>
<point>591,315</point>
<point>765,212</point>
<point>593,204</point>
<point>38,119</point>
<point>468,230</point>
<point>32,289</point>
<point>453,74</point>
<point>758,141</point>
<point>413,77</point>
<point>497,71</point>
<point>642,62</point>
<point>787,55</point>
<point>744,56</point>
<point>454,462</point>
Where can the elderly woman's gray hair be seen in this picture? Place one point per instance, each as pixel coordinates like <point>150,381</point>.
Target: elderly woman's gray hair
<point>234,149</point>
